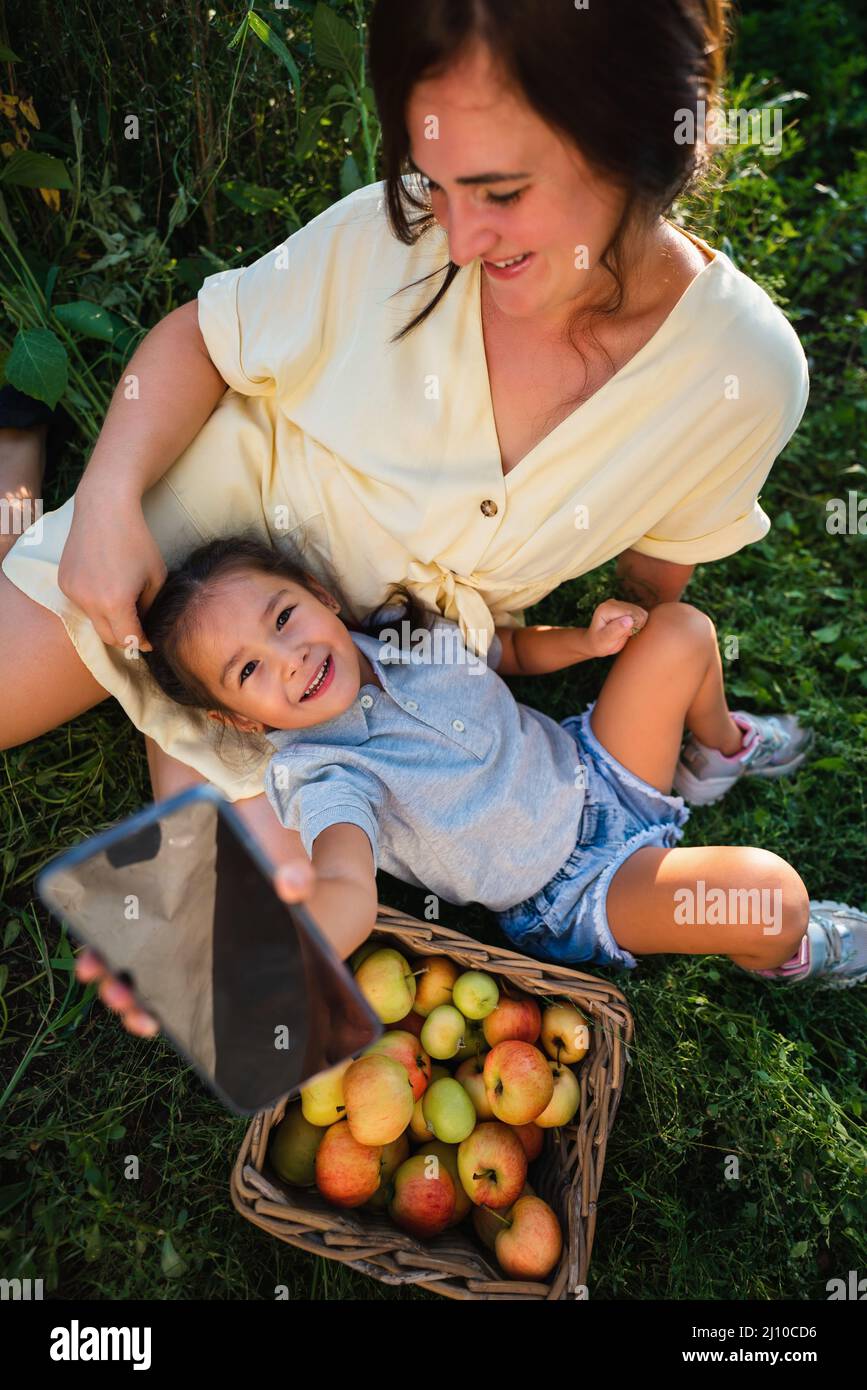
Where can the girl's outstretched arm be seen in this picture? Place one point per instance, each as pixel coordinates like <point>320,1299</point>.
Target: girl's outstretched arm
<point>338,888</point>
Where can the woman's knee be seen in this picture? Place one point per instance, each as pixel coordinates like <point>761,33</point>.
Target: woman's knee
<point>775,899</point>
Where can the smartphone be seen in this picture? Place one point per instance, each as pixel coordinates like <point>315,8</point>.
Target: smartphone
<point>179,898</point>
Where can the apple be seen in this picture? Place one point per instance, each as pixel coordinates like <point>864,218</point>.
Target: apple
<point>436,1071</point>
<point>532,1137</point>
<point>565,1100</point>
<point>292,1148</point>
<point>347,1173</point>
<point>475,994</point>
<point>565,1033</point>
<point>474,1041</point>
<point>361,953</point>
<point>530,1246</point>
<point>487,1223</point>
<point>518,1082</point>
<point>435,976</point>
<point>448,1154</point>
<point>393,1155</point>
<point>412,1023</point>
<point>471,1075</point>
<point>322,1099</point>
<point>492,1165</point>
<point>406,1049</point>
<point>387,984</point>
<point>424,1197</point>
<point>443,1031</point>
<point>513,1020</point>
<point>448,1111</point>
<point>379,1099</point>
<point>417,1126</point>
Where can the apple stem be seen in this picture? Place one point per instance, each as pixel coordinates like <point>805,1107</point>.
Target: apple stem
<point>496,1214</point>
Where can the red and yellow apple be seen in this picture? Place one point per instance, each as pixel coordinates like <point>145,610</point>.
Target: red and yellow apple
<point>471,1075</point>
<point>423,1202</point>
<point>532,1137</point>
<point>513,1020</point>
<point>487,1223</point>
<point>448,1154</point>
<point>565,1100</point>
<point>406,1049</point>
<point>435,976</point>
<point>565,1033</point>
<point>492,1165</point>
<point>518,1082</point>
<point>530,1245</point>
<point>347,1173</point>
<point>379,1099</point>
<point>387,984</point>
<point>418,1129</point>
<point>412,1023</point>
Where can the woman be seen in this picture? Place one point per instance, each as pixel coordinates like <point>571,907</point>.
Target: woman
<point>586,381</point>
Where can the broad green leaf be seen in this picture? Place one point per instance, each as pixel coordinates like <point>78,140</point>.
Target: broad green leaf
<point>309,132</point>
<point>276,45</point>
<point>335,42</point>
<point>172,1264</point>
<point>38,365</point>
<point>827,634</point>
<point>27,169</point>
<point>7,56</point>
<point>91,320</point>
<point>350,178</point>
<point>250,197</point>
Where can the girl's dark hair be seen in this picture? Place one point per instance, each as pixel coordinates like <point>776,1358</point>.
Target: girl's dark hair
<point>175,613</point>
<point>609,77</point>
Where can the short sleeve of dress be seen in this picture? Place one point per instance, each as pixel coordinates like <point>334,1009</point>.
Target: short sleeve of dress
<point>721,514</point>
<point>309,798</point>
<point>266,324</point>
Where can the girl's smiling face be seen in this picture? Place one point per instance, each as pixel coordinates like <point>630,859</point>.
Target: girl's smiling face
<point>273,652</point>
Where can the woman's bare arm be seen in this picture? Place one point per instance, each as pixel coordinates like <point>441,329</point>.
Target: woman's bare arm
<point>645,580</point>
<point>111,561</point>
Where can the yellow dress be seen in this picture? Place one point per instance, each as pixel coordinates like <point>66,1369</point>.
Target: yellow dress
<point>378,462</point>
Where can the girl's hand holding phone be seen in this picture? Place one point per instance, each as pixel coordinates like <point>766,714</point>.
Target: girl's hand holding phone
<point>292,882</point>
<point>611,626</point>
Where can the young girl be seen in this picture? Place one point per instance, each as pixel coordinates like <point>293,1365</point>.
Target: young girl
<point>416,758</point>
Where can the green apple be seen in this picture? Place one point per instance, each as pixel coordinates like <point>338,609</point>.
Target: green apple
<point>292,1148</point>
<point>475,994</point>
<point>361,953</point>
<point>448,1111</point>
<point>387,984</point>
<point>443,1032</point>
<point>474,1044</point>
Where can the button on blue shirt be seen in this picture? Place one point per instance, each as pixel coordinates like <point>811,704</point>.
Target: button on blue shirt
<point>461,790</point>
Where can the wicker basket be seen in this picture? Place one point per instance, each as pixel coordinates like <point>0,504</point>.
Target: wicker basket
<point>567,1174</point>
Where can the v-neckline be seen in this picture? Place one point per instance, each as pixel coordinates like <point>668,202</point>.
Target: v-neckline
<point>653,342</point>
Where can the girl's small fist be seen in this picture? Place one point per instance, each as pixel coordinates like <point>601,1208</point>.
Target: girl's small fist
<point>612,624</point>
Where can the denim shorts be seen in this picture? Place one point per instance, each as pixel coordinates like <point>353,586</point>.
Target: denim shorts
<point>566,922</point>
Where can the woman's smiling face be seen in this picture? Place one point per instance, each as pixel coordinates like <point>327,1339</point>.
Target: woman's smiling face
<point>259,644</point>
<point>466,132</point>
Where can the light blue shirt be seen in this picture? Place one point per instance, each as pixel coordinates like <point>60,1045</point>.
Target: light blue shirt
<point>461,790</point>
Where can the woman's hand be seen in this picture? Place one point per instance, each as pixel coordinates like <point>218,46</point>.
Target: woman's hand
<point>292,882</point>
<point>611,626</point>
<point>109,563</point>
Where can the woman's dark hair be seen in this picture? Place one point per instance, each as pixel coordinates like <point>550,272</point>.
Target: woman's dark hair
<point>175,614</point>
<point>609,77</point>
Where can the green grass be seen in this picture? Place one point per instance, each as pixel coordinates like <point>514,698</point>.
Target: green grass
<point>722,1067</point>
